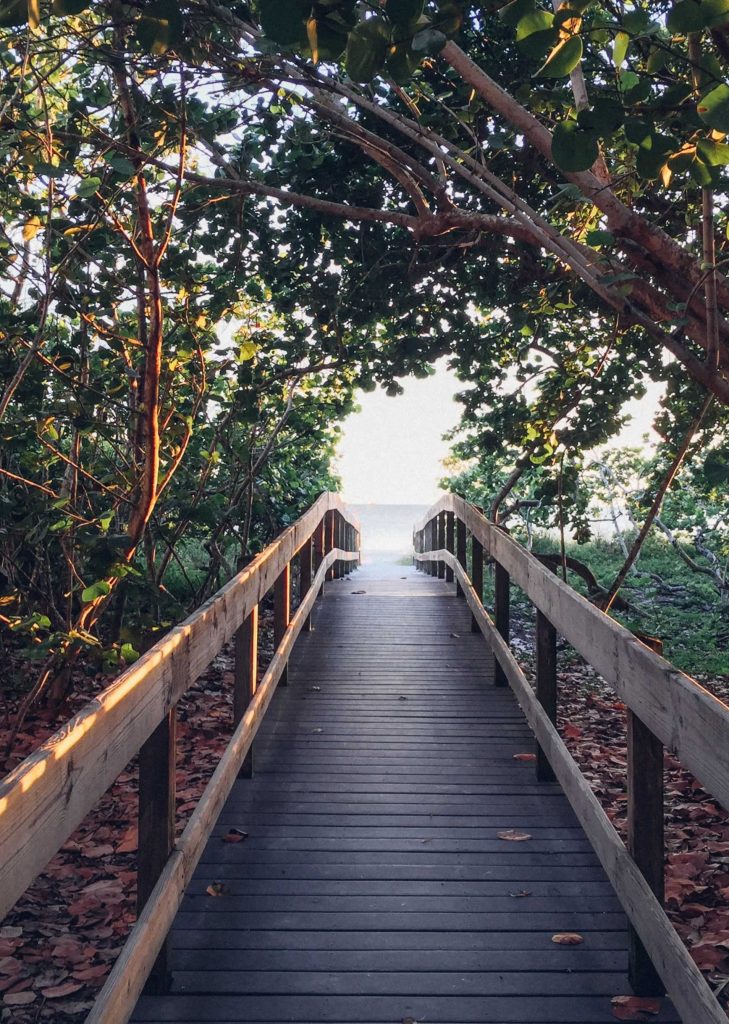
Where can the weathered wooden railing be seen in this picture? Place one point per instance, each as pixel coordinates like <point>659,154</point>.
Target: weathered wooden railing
<point>46,797</point>
<point>665,708</point>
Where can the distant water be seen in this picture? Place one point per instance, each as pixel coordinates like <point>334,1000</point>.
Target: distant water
<point>387,530</point>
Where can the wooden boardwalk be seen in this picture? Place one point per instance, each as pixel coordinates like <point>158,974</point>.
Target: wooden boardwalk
<point>372,886</point>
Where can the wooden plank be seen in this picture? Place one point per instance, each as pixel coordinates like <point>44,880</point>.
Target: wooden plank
<point>349,1009</point>
<point>123,986</point>
<point>690,993</point>
<point>459,983</point>
<point>378,960</point>
<point>308,940</point>
<point>44,799</point>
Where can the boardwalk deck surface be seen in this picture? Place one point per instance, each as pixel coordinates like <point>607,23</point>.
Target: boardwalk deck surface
<point>372,886</point>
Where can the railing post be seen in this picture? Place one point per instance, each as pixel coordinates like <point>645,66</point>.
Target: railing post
<point>156,828</point>
<point>476,576</point>
<point>441,542</point>
<point>339,564</point>
<point>645,833</point>
<point>434,533</point>
<point>450,542</point>
<point>501,615</point>
<point>460,550</point>
<point>245,677</point>
<point>546,685</point>
<point>305,557</point>
<point>282,613</point>
<point>331,539</point>
<point>319,547</point>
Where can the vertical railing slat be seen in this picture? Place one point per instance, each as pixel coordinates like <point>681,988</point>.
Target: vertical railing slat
<point>245,677</point>
<point>156,827</point>
<point>501,614</point>
<point>646,839</point>
<point>546,685</point>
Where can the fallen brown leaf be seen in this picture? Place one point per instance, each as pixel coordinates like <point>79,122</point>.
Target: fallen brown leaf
<point>635,1007</point>
<point>512,836</point>
<point>59,991</point>
<point>524,757</point>
<point>567,939</point>
<point>235,835</point>
<point>18,998</point>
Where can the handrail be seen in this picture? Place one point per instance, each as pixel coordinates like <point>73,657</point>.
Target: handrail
<point>665,706</point>
<point>44,799</point>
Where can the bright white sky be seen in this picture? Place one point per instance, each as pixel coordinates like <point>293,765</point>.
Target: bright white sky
<point>392,451</point>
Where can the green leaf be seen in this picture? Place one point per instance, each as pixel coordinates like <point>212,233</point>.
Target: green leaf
<point>685,16</point>
<point>536,33</point>
<point>129,654</point>
<point>366,49</point>
<point>513,12</point>
<point>600,237</point>
<point>702,173</point>
<point>604,117</point>
<point>120,165</point>
<point>714,153</point>
<point>713,108</point>
<point>401,12</point>
<point>284,21</point>
<point>636,22</point>
<point>620,48</point>
<point>88,187</point>
<point>637,129</point>
<point>714,12</point>
<point>716,469</point>
<point>428,42</point>
<point>573,148</point>
<point>402,63</point>
<point>653,153</point>
<point>563,59</point>
<point>99,589</point>
<point>657,60</point>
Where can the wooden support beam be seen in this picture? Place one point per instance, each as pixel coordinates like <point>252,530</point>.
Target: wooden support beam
<point>331,539</point>
<point>245,676</point>
<point>156,824</point>
<point>306,555</point>
<point>282,613</point>
<point>546,685</point>
<point>450,542</point>
<point>441,542</point>
<point>476,577</point>
<point>460,549</point>
<point>319,550</point>
<point>646,842</point>
<point>501,615</point>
